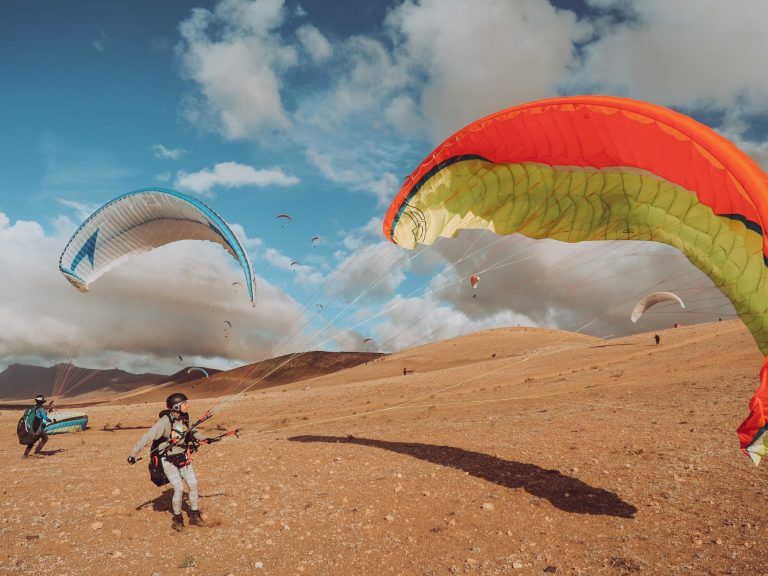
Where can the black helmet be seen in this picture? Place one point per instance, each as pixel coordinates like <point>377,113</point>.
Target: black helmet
<point>174,400</point>
<point>39,399</point>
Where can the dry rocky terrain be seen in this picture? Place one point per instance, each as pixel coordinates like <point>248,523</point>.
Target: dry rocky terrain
<point>511,451</point>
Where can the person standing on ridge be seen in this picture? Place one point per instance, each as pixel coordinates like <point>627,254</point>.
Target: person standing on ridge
<point>657,338</point>
<point>40,420</point>
<point>172,440</point>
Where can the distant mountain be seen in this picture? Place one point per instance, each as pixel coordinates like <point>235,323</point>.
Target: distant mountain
<point>190,373</point>
<point>265,374</point>
<point>67,381</point>
<point>22,382</point>
<point>295,367</point>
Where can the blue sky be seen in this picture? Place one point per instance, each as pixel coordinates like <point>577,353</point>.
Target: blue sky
<point>316,109</point>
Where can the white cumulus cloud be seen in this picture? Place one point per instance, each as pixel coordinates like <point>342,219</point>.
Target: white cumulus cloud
<point>232,175</point>
<point>167,153</point>
<point>315,44</point>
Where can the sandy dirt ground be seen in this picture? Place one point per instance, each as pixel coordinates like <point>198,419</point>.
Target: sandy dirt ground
<point>512,451</point>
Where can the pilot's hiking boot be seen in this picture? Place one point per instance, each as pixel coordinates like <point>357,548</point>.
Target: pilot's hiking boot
<point>196,518</point>
<point>178,522</point>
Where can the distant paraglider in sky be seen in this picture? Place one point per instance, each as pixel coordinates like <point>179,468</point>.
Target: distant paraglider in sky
<point>283,218</point>
<point>181,359</point>
<point>586,168</point>
<point>294,264</point>
<point>474,280</point>
<point>652,300</point>
<point>315,241</point>
<point>141,221</point>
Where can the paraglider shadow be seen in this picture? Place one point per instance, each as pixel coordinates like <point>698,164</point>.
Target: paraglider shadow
<point>564,492</point>
<point>51,452</point>
<point>164,502</point>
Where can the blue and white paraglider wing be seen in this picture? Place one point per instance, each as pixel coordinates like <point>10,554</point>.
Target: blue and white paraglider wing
<point>141,221</point>
<point>67,422</point>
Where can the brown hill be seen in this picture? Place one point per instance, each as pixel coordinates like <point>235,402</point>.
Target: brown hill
<point>22,382</point>
<point>257,376</point>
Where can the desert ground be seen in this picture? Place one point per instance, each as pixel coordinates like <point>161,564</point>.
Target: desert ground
<point>511,451</point>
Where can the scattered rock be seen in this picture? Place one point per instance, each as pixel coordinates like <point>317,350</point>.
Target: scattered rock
<point>389,518</point>
<point>97,526</point>
<point>488,507</point>
<point>517,564</point>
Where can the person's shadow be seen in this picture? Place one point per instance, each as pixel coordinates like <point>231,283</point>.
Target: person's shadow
<point>51,452</point>
<point>564,492</point>
<point>164,502</point>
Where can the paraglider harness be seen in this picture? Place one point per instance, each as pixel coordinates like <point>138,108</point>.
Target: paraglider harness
<point>29,423</point>
<point>156,454</point>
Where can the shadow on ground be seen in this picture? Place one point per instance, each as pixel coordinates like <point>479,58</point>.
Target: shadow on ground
<point>51,452</point>
<point>164,502</point>
<point>564,492</point>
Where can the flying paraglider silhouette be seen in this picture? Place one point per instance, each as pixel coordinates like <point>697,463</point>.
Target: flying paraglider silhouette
<point>474,280</point>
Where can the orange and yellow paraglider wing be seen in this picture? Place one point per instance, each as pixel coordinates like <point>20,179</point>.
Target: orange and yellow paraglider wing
<point>602,168</point>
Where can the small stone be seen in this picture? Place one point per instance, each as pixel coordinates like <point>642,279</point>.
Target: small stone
<point>97,526</point>
<point>117,532</point>
<point>517,564</point>
<point>398,488</point>
<point>488,507</point>
<point>718,541</point>
<point>116,492</point>
<point>258,565</point>
<point>389,518</point>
